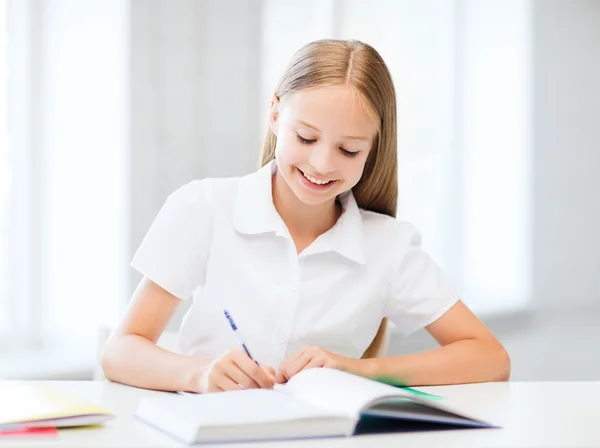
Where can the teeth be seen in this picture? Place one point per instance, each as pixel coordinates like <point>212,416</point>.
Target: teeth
<point>315,181</point>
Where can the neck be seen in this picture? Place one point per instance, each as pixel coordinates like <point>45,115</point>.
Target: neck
<point>303,220</point>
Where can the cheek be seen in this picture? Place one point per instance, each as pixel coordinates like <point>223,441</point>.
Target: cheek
<point>353,171</point>
<point>289,150</point>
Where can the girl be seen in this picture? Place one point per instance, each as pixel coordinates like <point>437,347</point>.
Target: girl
<point>305,253</point>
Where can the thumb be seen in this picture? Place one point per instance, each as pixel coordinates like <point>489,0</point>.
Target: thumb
<point>269,370</point>
<point>280,378</point>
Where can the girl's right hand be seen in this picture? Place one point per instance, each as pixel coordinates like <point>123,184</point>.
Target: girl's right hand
<point>234,370</point>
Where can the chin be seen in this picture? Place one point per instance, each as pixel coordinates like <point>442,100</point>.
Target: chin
<point>313,201</point>
<point>310,198</point>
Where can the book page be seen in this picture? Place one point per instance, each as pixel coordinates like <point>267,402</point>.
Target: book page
<point>338,391</point>
<point>244,407</point>
<point>347,393</point>
<point>24,402</point>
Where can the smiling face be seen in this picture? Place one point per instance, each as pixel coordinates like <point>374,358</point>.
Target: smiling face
<point>324,136</point>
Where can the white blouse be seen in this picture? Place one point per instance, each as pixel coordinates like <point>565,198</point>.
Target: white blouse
<point>222,242</point>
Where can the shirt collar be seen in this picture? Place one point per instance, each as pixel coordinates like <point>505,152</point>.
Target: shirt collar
<point>254,213</point>
<point>346,236</point>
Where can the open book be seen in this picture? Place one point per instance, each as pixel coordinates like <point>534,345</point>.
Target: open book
<point>36,406</point>
<point>314,403</point>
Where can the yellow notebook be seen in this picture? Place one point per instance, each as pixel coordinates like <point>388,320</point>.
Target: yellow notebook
<point>32,405</point>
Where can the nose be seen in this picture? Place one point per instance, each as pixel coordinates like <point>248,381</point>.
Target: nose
<point>321,159</point>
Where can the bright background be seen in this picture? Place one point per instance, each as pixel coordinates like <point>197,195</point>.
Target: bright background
<point>107,106</point>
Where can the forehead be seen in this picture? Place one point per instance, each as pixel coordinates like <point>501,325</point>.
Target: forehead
<point>331,107</point>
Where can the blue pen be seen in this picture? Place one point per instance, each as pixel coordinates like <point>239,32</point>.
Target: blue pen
<point>237,335</point>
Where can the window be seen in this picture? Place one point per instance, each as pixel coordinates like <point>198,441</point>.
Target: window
<point>64,237</point>
<point>5,176</point>
<point>461,71</point>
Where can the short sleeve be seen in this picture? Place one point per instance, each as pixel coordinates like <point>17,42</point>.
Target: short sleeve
<point>174,252</point>
<point>419,291</point>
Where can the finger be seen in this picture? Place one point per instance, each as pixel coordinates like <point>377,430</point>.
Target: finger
<point>228,383</point>
<point>285,364</point>
<point>315,362</point>
<point>253,371</point>
<point>280,378</point>
<point>269,370</point>
<point>237,374</point>
<point>298,365</point>
<point>219,382</point>
<point>226,367</point>
<point>210,388</point>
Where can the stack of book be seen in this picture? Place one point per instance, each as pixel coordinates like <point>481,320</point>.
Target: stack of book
<point>34,410</point>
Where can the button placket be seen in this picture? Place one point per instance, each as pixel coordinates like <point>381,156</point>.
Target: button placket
<point>290,295</point>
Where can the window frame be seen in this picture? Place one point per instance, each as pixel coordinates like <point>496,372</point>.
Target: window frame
<point>24,219</point>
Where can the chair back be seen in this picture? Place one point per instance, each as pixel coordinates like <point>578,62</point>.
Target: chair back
<point>380,343</point>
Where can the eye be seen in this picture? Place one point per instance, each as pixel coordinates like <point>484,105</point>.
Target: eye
<point>303,140</point>
<point>348,153</point>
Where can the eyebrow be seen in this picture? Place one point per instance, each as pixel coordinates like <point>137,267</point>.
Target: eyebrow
<point>345,137</point>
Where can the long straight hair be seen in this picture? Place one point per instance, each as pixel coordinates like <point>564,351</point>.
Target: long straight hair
<point>358,66</point>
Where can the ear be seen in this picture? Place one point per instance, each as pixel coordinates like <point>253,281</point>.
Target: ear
<point>274,115</point>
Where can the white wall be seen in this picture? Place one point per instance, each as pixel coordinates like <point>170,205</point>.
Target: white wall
<point>566,186</point>
<point>194,86</point>
<point>78,161</point>
<point>195,68</point>
<point>493,142</point>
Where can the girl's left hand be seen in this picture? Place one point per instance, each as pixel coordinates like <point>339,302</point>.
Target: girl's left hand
<point>308,357</point>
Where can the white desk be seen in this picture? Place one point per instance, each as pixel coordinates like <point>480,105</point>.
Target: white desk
<point>549,414</point>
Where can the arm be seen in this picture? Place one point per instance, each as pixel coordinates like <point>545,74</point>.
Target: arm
<point>131,356</point>
<point>468,353</point>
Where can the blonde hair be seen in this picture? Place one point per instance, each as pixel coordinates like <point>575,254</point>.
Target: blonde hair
<point>360,67</point>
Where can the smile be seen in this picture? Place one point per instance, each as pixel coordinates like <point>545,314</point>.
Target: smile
<point>315,182</point>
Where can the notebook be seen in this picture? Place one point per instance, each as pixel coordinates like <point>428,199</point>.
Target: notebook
<point>25,405</point>
<point>317,402</point>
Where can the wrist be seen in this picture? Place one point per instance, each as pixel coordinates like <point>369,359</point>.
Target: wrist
<point>196,375</point>
<point>361,367</point>
<point>367,367</point>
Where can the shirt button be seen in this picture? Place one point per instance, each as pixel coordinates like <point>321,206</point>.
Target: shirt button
<point>294,289</point>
